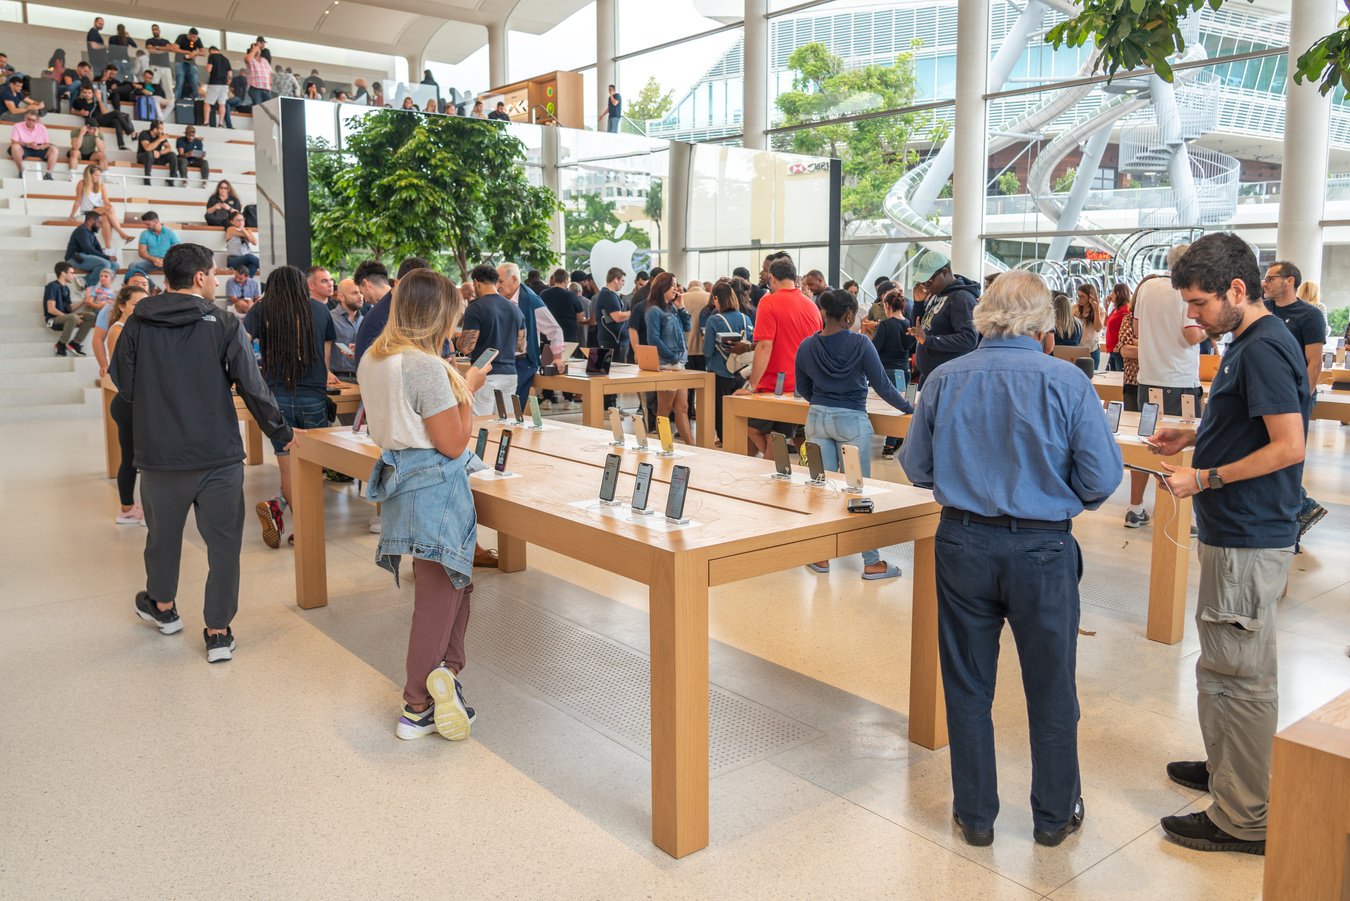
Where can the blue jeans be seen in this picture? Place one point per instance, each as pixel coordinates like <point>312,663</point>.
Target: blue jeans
<point>302,410</point>
<point>525,373</point>
<point>1096,358</point>
<point>247,259</point>
<point>986,574</point>
<point>258,95</point>
<point>93,265</point>
<point>831,427</point>
<point>144,267</point>
<point>187,80</point>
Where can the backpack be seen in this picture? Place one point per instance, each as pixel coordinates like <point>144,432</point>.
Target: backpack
<point>739,364</point>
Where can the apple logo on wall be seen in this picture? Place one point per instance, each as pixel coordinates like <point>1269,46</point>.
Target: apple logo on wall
<point>607,255</point>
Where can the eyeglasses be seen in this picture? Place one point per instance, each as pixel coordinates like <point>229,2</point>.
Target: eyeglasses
<point>1271,278</point>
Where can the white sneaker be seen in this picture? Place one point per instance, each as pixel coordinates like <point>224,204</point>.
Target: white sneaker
<point>132,517</point>
<point>375,525</point>
<point>546,406</point>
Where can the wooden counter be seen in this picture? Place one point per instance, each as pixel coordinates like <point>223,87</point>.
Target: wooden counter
<point>625,378</point>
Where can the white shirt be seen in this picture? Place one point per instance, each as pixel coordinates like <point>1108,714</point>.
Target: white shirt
<point>1166,358</point>
<point>547,326</point>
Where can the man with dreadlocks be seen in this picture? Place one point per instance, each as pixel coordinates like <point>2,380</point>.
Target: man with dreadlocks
<point>175,363</point>
<point>295,339</point>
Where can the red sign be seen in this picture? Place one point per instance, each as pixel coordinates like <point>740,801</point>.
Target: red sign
<point>1099,256</point>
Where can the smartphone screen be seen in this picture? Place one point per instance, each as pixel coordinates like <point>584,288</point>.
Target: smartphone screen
<point>536,418</point>
<point>1188,406</point>
<point>486,358</point>
<point>515,409</point>
<point>852,467</point>
<point>782,464</point>
<point>1148,420</point>
<point>481,447</point>
<point>912,393</point>
<point>616,424</point>
<point>610,480</point>
<point>814,464</point>
<point>1113,410</point>
<point>679,485</point>
<point>503,448</point>
<point>642,486</point>
<point>640,430</point>
<point>360,419</point>
<point>667,438</point>
<point>501,405</point>
<point>778,384</point>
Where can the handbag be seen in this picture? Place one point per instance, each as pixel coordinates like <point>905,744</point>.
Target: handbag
<point>738,364</point>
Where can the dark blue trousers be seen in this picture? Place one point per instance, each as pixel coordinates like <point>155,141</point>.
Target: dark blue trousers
<point>985,575</point>
<point>525,373</point>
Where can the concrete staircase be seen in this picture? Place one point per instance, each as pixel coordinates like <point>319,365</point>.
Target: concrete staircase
<point>34,227</point>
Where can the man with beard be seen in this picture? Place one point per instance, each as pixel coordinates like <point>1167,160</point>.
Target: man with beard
<point>945,330</point>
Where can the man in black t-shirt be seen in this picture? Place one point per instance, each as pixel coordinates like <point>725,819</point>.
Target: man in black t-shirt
<point>94,39</point>
<point>153,149</point>
<point>1247,469</point>
<point>157,43</point>
<point>90,105</point>
<point>189,47</point>
<point>218,71</point>
<point>492,321</point>
<point>500,113</point>
<point>61,317</point>
<point>565,306</point>
<point>1309,328</point>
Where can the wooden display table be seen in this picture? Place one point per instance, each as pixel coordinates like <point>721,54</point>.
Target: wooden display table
<point>1308,840</point>
<point>742,527</point>
<point>1170,564</point>
<point>347,402</point>
<point>1331,403</point>
<point>625,378</point>
<point>1111,385</point>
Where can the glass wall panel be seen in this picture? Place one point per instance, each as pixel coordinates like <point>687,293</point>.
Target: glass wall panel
<point>645,23</point>
<point>703,80</point>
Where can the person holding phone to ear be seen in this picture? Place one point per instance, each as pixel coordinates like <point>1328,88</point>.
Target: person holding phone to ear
<point>834,369</point>
<point>419,409</point>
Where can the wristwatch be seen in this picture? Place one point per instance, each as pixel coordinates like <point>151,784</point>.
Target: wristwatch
<point>1212,477</point>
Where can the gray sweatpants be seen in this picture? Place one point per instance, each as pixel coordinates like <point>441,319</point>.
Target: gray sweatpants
<point>1236,678</point>
<point>217,495</point>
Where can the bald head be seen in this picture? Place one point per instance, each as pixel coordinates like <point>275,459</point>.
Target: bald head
<point>349,295</point>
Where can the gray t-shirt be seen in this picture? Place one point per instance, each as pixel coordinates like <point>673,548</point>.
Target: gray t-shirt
<point>399,392</point>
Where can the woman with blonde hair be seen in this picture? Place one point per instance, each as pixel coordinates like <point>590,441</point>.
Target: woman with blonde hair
<point>1308,292</point>
<point>419,409</point>
<point>91,196</point>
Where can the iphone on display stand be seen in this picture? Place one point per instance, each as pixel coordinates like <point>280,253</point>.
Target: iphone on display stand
<point>901,382</point>
<point>360,419</point>
<point>501,405</point>
<point>1188,407</point>
<point>782,463</point>
<point>481,447</point>
<point>640,430</point>
<point>1155,396</point>
<point>641,488</point>
<point>516,412</point>
<point>616,426</point>
<point>778,384</point>
<point>814,464</point>
<point>1113,411</point>
<point>1148,420</point>
<point>536,418</point>
<point>853,478</point>
<point>610,480</point>
<point>503,448</point>
<point>667,438</point>
<point>679,486</point>
<point>912,393</point>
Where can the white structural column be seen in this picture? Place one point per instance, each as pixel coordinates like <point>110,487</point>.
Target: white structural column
<point>497,53</point>
<point>970,166</point>
<point>676,194</point>
<point>604,55</point>
<point>1303,177</point>
<point>755,102</point>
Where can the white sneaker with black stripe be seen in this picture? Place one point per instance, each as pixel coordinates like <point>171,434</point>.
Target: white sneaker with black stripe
<point>219,648</point>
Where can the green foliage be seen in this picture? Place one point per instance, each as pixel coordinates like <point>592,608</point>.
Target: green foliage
<point>875,152</point>
<point>655,204</point>
<point>1338,319</point>
<point>1064,183</point>
<point>590,219</point>
<point>449,189</point>
<point>1008,184</point>
<point>1327,60</point>
<point>651,102</point>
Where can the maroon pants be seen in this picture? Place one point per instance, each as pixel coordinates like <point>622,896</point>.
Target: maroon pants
<point>440,616</point>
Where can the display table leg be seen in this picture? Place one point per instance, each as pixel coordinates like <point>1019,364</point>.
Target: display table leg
<point>593,405</point>
<point>311,573</point>
<point>679,660</point>
<point>735,431</point>
<point>927,709</point>
<point>706,435</point>
<point>510,554</point>
<point>253,451</point>
<point>1168,571</point>
<point>112,449</point>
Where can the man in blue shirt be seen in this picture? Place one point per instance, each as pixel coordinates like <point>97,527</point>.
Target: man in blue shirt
<point>1014,444</point>
<point>155,241</point>
<point>1246,474</point>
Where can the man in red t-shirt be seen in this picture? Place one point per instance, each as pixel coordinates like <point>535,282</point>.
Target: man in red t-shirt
<point>784,319</point>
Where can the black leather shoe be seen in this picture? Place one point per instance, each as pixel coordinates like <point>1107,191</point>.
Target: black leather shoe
<point>974,836</point>
<point>1190,773</point>
<point>1198,832</point>
<point>1052,839</point>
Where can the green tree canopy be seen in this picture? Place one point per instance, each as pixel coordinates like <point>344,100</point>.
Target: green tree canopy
<point>875,152</point>
<point>442,187</point>
<point>591,218</point>
<point>650,103</point>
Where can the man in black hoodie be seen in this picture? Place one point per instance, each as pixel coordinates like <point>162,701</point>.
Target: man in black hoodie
<point>945,329</point>
<point>175,363</point>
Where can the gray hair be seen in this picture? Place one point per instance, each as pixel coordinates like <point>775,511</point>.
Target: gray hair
<point>1175,254</point>
<point>1017,303</point>
<point>509,270</point>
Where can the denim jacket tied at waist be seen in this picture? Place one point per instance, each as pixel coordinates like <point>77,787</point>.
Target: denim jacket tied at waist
<point>427,510</point>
